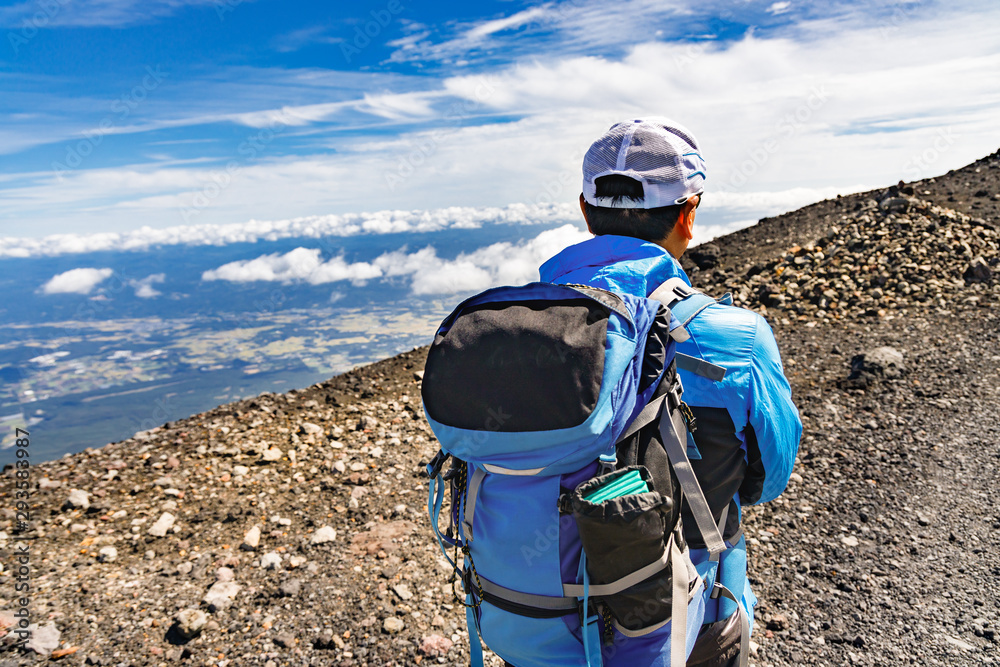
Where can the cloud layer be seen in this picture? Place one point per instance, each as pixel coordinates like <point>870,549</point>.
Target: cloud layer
<point>497,264</point>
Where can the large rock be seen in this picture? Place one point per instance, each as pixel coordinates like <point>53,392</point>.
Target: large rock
<point>324,535</point>
<point>78,500</point>
<point>435,646</point>
<point>44,638</point>
<point>221,595</point>
<point>978,271</point>
<point>270,561</point>
<point>308,428</point>
<point>162,525</point>
<point>190,622</point>
<point>879,363</point>
<point>251,539</point>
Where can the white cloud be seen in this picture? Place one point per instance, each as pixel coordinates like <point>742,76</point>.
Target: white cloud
<point>144,288</point>
<point>497,264</point>
<point>779,7</point>
<point>76,281</point>
<point>321,226</point>
<point>301,264</point>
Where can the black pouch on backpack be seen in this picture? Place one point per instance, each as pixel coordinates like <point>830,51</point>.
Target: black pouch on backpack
<point>620,537</point>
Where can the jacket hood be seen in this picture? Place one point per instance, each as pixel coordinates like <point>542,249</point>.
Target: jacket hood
<point>617,263</point>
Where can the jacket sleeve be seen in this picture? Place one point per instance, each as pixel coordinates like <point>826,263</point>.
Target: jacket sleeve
<point>774,428</point>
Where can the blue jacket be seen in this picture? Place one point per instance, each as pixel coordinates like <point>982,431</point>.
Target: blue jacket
<point>748,428</point>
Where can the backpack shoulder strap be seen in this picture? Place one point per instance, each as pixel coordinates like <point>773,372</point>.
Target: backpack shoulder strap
<point>686,303</point>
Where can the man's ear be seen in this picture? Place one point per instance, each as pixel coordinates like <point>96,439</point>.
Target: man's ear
<point>685,220</point>
<point>583,209</point>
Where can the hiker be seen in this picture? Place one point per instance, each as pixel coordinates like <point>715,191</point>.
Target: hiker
<point>642,183</point>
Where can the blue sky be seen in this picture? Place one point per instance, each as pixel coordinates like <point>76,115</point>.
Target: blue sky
<point>124,115</point>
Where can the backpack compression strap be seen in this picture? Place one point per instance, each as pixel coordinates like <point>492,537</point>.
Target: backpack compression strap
<point>677,453</point>
<point>670,294</point>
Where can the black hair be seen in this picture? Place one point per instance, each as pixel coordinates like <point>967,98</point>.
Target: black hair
<point>648,224</point>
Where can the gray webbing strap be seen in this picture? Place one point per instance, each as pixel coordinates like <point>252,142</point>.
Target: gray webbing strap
<point>744,623</point>
<point>470,502</point>
<point>672,291</point>
<point>679,601</point>
<point>723,518</point>
<point>569,604</point>
<point>619,585</point>
<point>706,369</point>
<point>646,416</point>
<point>677,453</point>
<point>500,470</point>
<point>678,607</point>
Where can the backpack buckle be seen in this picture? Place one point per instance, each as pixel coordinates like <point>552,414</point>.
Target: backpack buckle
<point>607,463</point>
<point>433,468</point>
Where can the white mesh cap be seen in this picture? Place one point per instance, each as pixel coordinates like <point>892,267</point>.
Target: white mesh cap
<point>657,152</point>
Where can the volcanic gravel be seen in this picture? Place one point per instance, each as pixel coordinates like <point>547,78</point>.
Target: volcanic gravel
<point>291,529</point>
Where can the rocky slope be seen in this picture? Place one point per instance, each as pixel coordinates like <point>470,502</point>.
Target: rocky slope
<point>290,529</point>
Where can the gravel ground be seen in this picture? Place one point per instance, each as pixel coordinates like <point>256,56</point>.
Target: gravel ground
<point>289,529</point>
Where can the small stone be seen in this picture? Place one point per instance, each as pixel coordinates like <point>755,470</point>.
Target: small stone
<point>44,638</point>
<point>271,455</point>
<point>435,646</point>
<point>251,539</point>
<point>296,561</point>
<point>190,622</point>
<point>185,567</point>
<point>308,428</point>
<point>270,561</point>
<point>978,271</point>
<point>965,646</point>
<point>107,554</point>
<point>795,477</point>
<point>324,535</point>
<point>777,623</point>
<point>923,519</point>
<point>418,376</point>
<point>224,574</point>
<point>221,595</point>
<point>290,588</point>
<point>162,525</point>
<point>285,640</point>
<point>78,499</point>
<point>149,555</point>
<point>850,541</point>
<point>403,591</point>
<point>392,625</point>
<point>240,471</point>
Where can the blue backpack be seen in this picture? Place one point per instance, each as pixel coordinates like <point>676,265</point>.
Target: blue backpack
<point>560,409</point>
